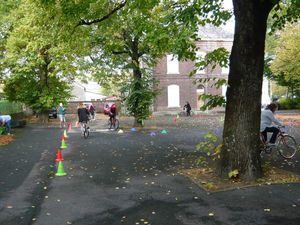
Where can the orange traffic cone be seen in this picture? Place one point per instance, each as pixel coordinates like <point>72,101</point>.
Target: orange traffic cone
<point>59,156</point>
<point>70,127</point>
<point>63,137</point>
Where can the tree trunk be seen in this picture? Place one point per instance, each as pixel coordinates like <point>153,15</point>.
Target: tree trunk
<point>44,117</point>
<point>242,120</point>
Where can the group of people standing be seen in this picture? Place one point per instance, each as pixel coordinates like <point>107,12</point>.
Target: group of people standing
<point>84,113</point>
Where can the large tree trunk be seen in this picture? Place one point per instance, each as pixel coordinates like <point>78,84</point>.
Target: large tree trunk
<point>242,120</point>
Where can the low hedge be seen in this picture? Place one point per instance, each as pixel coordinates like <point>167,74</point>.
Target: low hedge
<point>289,103</point>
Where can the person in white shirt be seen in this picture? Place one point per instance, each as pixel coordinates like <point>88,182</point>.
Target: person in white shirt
<point>5,120</point>
<point>267,121</point>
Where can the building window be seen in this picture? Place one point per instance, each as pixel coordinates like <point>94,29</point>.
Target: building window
<point>225,70</point>
<point>200,56</point>
<point>173,96</point>
<point>172,64</point>
<point>224,90</point>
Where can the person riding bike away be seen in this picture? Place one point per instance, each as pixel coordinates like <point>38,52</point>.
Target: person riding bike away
<point>266,123</point>
<point>83,114</point>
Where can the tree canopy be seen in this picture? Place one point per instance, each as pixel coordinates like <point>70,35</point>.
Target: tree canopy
<point>286,64</point>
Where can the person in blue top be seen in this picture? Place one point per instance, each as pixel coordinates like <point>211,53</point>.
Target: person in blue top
<point>61,115</point>
<point>5,121</point>
<point>267,123</point>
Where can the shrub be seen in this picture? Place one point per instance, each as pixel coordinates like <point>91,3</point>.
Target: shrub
<point>7,107</point>
<point>289,103</point>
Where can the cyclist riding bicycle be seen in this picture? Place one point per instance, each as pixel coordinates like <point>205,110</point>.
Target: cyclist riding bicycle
<point>112,114</point>
<point>83,114</point>
<point>266,123</point>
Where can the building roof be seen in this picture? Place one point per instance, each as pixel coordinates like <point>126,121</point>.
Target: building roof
<point>86,92</point>
<point>211,32</point>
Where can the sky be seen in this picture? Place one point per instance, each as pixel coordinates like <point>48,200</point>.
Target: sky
<point>230,24</point>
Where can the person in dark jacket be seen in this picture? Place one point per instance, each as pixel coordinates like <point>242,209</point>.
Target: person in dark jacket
<point>83,114</point>
<point>188,108</point>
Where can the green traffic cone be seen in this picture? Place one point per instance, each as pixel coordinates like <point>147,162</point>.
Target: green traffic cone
<point>63,144</point>
<point>60,170</point>
<point>164,131</point>
<point>65,134</point>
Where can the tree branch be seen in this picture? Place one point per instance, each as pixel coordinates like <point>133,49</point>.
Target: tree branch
<point>119,53</point>
<point>89,22</point>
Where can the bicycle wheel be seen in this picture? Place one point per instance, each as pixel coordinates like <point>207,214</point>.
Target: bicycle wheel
<point>287,146</point>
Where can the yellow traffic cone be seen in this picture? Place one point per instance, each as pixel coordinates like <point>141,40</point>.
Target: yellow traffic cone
<point>60,170</point>
<point>65,134</point>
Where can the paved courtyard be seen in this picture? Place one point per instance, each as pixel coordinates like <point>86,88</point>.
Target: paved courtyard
<point>131,178</point>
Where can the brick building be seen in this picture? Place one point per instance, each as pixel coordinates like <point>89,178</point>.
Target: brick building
<point>175,85</point>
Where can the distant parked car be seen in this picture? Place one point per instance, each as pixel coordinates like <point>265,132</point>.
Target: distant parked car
<point>53,113</point>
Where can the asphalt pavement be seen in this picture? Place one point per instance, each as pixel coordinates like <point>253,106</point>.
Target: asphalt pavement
<point>131,178</point>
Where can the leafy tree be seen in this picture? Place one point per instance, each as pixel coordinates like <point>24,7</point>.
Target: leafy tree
<point>38,66</point>
<point>242,121</point>
<point>286,65</point>
<point>5,26</point>
<point>240,151</point>
<point>240,148</point>
<point>129,40</point>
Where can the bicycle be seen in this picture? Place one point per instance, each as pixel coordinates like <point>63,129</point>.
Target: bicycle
<point>285,144</point>
<point>184,113</point>
<point>85,130</point>
<point>113,123</point>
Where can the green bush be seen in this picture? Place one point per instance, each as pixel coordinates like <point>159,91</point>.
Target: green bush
<point>289,103</point>
<point>7,107</point>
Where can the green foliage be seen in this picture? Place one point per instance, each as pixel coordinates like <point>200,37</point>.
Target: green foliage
<point>212,101</point>
<point>290,103</point>
<point>7,107</point>
<point>217,57</point>
<point>286,65</point>
<point>139,97</point>
<point>283,13</point>
<point>27,89</point>
<point>37,65</point>
<point>233,174</point>
<point>210,147</point>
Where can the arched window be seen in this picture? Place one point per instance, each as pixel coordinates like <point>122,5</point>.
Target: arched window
<point>173,96</point>
<point>172,64</point>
